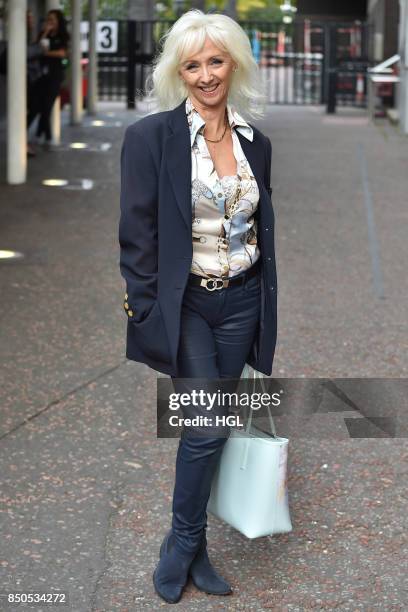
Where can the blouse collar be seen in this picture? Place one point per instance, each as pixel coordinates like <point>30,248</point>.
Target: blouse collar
<point>196,122</point>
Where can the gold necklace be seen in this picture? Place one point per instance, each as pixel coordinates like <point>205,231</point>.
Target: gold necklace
<point>223,134</point>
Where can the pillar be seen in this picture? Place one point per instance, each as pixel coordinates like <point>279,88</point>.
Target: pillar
<point>76,70</point>
<point>93,59</point>
<point>403,52</point>
<point>17,93</point>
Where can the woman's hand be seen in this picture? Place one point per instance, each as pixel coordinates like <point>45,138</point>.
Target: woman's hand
<point>46,31</point>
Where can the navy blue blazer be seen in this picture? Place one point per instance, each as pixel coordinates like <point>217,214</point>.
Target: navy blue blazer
<point>155,236</point>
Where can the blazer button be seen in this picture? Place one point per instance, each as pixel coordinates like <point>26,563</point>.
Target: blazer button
<point>126,296</point>
<point>130,313</point>
<point>126,305</point>
<point>269,258</point>
<point>226,217</point>
<point>266,229</point>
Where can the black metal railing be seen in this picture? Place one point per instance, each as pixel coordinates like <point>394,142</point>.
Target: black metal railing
<point>304,62</point>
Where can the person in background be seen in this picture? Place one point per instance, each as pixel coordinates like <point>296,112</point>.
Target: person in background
<point>34,52</point>
<point>54,40</point>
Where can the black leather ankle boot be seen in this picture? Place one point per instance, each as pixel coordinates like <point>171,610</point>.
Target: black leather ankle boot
<point>204,576</point>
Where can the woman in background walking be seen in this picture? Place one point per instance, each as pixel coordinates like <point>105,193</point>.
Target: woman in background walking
<point>54,39</point>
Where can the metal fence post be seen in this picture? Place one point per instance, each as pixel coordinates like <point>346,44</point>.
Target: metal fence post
<point>131,64</point>
<point>332,70</point>
<point>325,64</point>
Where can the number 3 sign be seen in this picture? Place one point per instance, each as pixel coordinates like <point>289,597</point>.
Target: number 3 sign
<point>106,36</point>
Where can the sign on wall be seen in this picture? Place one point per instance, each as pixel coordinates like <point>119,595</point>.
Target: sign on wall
<point>106,36</point>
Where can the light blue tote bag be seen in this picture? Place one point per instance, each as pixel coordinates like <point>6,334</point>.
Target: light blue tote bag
<point>249,490</point>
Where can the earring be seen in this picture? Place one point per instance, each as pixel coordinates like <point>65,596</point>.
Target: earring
<point>235,69</point>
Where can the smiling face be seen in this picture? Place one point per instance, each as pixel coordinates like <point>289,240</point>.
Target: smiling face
<point>207,75</point>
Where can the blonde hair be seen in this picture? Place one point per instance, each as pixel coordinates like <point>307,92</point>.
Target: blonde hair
<point>187,36</point>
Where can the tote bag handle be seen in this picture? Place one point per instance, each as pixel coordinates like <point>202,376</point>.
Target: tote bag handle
<point>244,458</point>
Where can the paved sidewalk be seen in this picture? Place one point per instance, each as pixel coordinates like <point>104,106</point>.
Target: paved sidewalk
<point>86,487</point>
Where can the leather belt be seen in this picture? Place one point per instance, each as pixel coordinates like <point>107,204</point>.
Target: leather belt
<point>213,283</point>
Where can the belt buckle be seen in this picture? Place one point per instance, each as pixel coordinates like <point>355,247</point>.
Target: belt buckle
<point>217,283</point>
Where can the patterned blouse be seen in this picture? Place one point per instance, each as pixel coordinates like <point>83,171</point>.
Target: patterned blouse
<point>224,227</point>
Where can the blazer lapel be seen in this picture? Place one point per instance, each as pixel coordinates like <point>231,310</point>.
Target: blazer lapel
<point>177,155</point>
<point>254,152</point>
<point>178,158</point>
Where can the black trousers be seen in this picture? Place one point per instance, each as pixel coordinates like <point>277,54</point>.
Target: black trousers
<point>42,95</point>
<point>217,331</point>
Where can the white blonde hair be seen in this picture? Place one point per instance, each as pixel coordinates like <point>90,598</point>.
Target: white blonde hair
<point>187,36</point>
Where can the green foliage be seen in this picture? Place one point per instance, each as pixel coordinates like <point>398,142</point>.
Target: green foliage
<point>209,5</point>
<point>107,9</point>
<point>270,10</point>
<point>247,9</point>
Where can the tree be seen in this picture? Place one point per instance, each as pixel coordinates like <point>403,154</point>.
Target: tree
<point>109,9</point>
<point>260,10</point>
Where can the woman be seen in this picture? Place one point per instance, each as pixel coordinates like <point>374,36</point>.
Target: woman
<point>53,39</point>
<point>197,251</point>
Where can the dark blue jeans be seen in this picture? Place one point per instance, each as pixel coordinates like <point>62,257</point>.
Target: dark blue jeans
<point>217,332</point>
